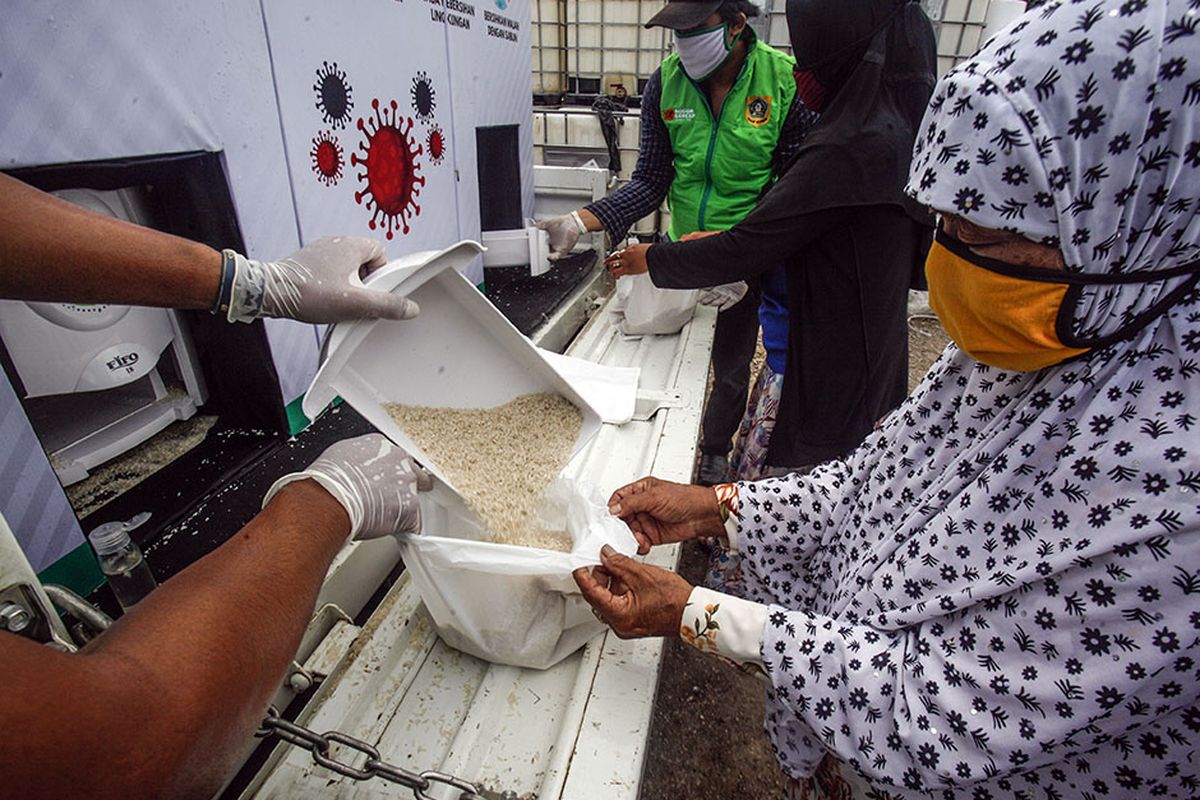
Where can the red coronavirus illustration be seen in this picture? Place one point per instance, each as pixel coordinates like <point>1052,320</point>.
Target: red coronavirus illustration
<point>435,144</point>
<point>389,155</point>
<point>424,99</point>
<point>333,95</point>
<point>327,159</point>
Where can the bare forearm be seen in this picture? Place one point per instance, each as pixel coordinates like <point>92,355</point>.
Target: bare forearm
<point>178,685</point>
<point>248,605</point>
<point>53,250</point>
<point>590,220</point>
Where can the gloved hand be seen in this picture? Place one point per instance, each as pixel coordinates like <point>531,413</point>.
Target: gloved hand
<point>321,282</point>
<point>723,296</point>
<point>375,481</point>
<point>563,233</point>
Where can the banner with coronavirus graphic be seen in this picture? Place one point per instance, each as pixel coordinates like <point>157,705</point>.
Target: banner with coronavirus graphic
<point>363,92</point>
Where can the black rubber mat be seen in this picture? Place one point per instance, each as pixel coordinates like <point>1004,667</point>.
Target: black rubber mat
<point>233,499</point>
<point>529,301</point>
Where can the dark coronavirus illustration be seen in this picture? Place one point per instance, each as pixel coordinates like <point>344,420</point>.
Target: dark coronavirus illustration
<point>389,157</point>
<point>327,158</point>
<point>424,100</point>
<point>435,144</point>
<point>334,99</point>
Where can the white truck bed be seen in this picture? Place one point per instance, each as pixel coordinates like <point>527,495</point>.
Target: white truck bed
<point>577,730</point>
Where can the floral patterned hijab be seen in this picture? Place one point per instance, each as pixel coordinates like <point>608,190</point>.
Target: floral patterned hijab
<point>999,592</point>
<point>1079,127</point>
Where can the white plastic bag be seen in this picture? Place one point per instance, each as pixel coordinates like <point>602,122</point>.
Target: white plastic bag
<point>517,605</point>
<point>612,391</point>
<point>645,309</point>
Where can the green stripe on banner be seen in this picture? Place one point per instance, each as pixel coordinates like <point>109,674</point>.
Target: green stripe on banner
<point>295,416</point>
<point>77,570</point>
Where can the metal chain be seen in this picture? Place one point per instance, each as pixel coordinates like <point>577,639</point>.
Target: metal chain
<point>420,783</point>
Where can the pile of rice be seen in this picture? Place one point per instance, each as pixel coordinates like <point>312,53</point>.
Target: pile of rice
<point>501,459</point>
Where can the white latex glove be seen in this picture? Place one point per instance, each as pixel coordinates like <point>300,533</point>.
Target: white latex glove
<point>375,481</point>
<point>723,296</point>
<point>563,232</point>
<point>320,283</point>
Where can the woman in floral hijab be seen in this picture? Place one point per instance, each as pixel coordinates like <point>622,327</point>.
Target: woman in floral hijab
<point>998,594</point>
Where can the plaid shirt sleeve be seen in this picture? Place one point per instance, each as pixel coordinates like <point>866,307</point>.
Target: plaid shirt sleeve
<point>651,177</point>
<point>655,168</point>
<point>795,127</point>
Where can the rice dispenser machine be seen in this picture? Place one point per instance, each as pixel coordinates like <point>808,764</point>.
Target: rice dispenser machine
<point>90,374</point>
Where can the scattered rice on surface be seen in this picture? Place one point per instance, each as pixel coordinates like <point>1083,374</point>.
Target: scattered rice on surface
<point>127,470</point>
<point>501,459</point>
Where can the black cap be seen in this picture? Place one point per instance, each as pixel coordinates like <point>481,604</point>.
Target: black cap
<point>683,15</point>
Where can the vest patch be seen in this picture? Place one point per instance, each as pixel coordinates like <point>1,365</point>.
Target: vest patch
<point>671,114</point>
<point>758,110</point>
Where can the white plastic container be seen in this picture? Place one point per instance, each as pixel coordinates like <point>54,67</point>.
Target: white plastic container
<point>504,603</point>
<point>512,248</point>
<point>460,352</point>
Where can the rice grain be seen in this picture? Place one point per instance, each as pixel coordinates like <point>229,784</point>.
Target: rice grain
<point>500,459</point>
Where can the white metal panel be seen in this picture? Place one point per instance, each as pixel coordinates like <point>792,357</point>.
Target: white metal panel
<point>611,746</point>
<point>490,84</point>
<point>575,730</point>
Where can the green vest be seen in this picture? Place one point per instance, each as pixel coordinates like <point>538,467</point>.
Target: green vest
<point>722,168</point>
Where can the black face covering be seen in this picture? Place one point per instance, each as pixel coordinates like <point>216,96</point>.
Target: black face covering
<point>829,38</point>
<point>876,60</point>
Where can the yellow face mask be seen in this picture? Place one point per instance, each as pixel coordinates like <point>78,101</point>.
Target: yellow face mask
<point>997,318</point>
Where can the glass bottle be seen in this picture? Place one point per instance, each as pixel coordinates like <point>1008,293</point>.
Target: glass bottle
<point>122,562</point>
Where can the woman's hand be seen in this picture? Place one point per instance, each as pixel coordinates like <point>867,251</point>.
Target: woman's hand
<point>632,598</point>
<point>661,512</point>
<point>630,261</point>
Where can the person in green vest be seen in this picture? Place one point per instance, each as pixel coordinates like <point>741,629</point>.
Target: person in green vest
<point>718,126</point>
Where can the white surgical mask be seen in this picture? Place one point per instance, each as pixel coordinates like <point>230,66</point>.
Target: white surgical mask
<point>703,52</point>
